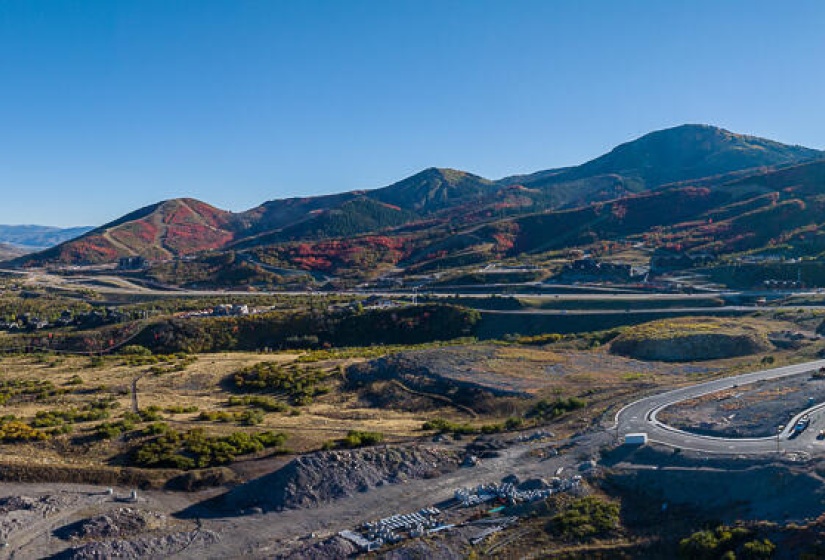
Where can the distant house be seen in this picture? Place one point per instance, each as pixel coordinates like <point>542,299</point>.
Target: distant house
<point>376,302</point>
<point>132,263</point>
<point>227,310</point>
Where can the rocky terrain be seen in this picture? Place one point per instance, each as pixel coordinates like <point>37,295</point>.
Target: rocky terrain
<point>318,478</point>
<point>142,547</point>
<point>122,522</point>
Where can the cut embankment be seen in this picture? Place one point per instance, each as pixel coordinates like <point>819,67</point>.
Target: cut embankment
<point>691,339</point>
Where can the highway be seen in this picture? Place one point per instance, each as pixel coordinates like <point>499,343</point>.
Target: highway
<point>641,416</point>
<point>638,311</point>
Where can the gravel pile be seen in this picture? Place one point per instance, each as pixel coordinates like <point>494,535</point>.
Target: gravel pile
<point>449,547</point>
<point>44,505</point>
<point>332,548</point>
<point>317,478</point>
<point>122,522</point>
<point>145,547</point>
<point>18,513</point>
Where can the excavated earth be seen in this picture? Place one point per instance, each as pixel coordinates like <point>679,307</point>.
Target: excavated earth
<point>753,410</point>
<point>318,478</point>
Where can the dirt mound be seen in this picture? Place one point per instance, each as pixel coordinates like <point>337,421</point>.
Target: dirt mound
<point>19,513</point>
<point>332,548</point>
<point>145,547</point>
<point>428,379</point>
<point>122,522</point>
<point>313,479</point>
<point>448,547</point>
<point>690,339</point>
<point>43,504</point>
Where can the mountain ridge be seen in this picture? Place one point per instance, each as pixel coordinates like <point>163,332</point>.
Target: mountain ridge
<point>440,198</point>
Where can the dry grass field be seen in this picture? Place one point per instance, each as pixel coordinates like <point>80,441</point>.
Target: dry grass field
<point>85,412</point>
<point>179,398</point>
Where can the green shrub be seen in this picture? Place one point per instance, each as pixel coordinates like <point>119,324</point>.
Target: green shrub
<point>48,418</point>
<point>251,417</point>
<point>156,429</point>
<point>726,542</point>
<point>218,416</point>
<point>134,350</point>
<point>357,438</point>
<point>194,449</point>
<point>585,518</point>
<point>151,414</point>
<point>180,409</point>
<point>15,390</point>
<point>267,404</point>
<point>299,385</point>
<point>108,430</point>
<point>758,550</point>
<point>548,410</point>
<point>445,426</point>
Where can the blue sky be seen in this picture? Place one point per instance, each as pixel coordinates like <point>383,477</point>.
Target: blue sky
<point>109,105</point>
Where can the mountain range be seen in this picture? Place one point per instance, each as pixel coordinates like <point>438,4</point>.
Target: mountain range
<point>32,238</point>
<point>695,186</point>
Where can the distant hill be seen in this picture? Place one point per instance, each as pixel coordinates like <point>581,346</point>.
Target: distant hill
<point>356,216</point>
<point>693,185</point>
<point>160,231</point>
<point>33,237</point>
<point>11,251</point>
<point>277,214</point>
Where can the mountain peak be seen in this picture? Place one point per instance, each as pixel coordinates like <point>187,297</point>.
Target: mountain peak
<point>699,133</point>
<point>445,173</point>
<point>687,152</point>
<point>433,189</point>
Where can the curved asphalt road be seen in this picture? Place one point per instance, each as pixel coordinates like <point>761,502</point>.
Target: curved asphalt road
<point>640,416</point>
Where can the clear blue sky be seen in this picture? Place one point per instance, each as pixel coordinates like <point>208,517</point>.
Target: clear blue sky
<point>109,105</point>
